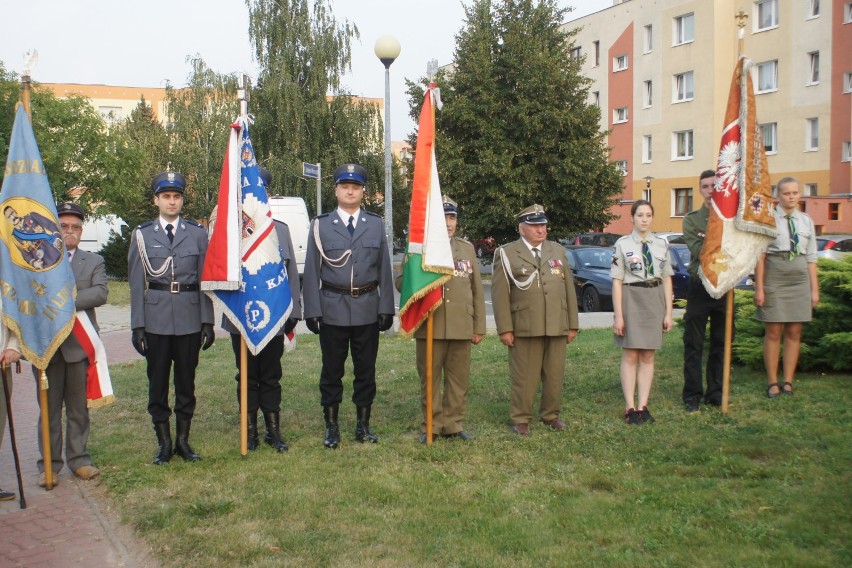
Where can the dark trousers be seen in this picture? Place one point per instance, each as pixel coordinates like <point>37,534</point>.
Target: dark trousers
<point>335,342</point>
<point>699,307</point>
<point>264,375</point>
<point>163,351</point>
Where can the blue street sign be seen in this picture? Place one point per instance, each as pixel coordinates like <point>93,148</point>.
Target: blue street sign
<point>310,170</point>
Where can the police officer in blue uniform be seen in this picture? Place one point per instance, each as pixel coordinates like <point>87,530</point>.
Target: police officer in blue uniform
<point>348,299</point>
<point>170,316</point>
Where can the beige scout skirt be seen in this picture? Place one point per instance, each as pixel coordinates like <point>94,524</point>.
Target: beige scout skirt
<point>787,288</point>
<point>644,310</point>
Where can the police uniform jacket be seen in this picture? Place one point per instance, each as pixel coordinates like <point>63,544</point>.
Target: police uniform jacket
<point>628,264</point>
<point>369,262</point>
<point>161,311</point>
<point>288,255</point>
<point>462,314</point>
<point>548,307</point>
<point>90,278</point>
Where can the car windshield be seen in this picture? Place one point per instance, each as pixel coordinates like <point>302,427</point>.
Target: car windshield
<point>594,258</point>
<point>683,254</point>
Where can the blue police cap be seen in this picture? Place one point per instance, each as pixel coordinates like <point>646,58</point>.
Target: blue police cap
<point>450,206</point>
<point>69,208</point>
<point>533,215</point>
<point>168,181</point>
<point>266,176</point>
<point>350,173</point>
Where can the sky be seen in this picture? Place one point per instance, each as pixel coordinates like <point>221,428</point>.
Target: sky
<point>115,42</point>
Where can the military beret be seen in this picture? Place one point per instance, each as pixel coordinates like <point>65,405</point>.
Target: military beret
<point>350,173</point>
<point>266,176</point>
<point>450,206</point>
<point>532,215</point>
<point>69,208</point>
<point>168,181</point>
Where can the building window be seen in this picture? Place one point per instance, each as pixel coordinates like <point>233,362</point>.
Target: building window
<point>646,149</point>
<point>597,51</point>
<point>111,114</point>
<point>846,152</point>
<point>648,95</point>
<point>847,82</point>
<point>769,131</point>
<point>646,195</point>
<point>576,53</point>
<point>811,134</point>
<point>834,212</point>
<point>682,198</point>
<point>810,190</point>
<point>813,8</point>
<point>767,76</point>
<point>847,13</point>
<point>766,15</point>
<point>682,145</point>
<point>596,98</point>
<point>621,165</point>
<point>684,29</point>
<point>649,39</point>
<point>813,71</point>
<point>684,88</point>
<point>619,115</point>
<point>619,63</point>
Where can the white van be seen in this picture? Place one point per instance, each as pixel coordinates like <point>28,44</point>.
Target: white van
<point>294,212</point>
<point>97,231</point>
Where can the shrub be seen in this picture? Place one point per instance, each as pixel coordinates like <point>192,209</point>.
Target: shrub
<point>115,254</point>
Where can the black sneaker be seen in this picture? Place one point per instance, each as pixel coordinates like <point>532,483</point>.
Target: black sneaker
<point>692,406</point>
<point>645,416</point>
<point>631,417</point>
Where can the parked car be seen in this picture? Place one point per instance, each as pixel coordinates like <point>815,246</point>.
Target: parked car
<point>834,247</point>
<point>590,267</point>
<point>673,238</point>
<point>592,239</point>
<point>484,247</point>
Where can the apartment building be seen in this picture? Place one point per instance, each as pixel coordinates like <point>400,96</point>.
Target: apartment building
<point>661,71</point>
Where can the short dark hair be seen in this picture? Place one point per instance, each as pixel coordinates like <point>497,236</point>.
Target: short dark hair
<point>638,204</point>
<point>706,174</point>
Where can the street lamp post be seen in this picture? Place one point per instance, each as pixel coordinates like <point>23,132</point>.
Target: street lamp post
<point>387,50</point>
<point>648,187</point>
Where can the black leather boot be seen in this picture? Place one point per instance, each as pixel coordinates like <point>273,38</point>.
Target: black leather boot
<point>362,427</point>
<point>164,442</point>
<point>332,431</point>
<point>253,441</point>
<point>182,447</point>
<point>273,433</point>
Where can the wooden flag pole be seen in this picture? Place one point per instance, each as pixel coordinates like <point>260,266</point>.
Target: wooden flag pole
<point>7,392</point>
<point>729,328</point>
<point>47,459</point>
<point>243,396</point>
<point>430,336</point>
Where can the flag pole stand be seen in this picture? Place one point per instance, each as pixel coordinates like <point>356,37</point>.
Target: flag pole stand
<point>47,459</point>
<point>729,327</point>
<point>430,336</point>
<point>243,396</point>
<point>8,397</point>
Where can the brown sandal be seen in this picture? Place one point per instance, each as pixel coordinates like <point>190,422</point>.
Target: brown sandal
<point>785,389</point>
<point>771,394</point>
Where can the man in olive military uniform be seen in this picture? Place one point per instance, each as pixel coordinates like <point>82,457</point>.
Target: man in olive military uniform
<point>457,323</point>
<point>701,306</point>
<point>348,299</point>
<point>67,370</point>
<point>535,308</point>
<point>264,369</point>
<point>170,316</point>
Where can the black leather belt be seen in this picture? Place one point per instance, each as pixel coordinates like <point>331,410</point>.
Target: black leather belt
<point>646,284</point>
<point>354,292</point>
<point>173,287</point>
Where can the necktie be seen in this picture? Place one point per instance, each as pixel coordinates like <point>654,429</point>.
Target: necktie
<point>537,254</point>
<point>648,259</point>
<point>169,233</point>
<point>794,237</point>
<point>351,226</point>
<point>69,256</point>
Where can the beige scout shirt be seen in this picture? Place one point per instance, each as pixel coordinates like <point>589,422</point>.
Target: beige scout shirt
<point>805,229</point>
<point>627,262</point>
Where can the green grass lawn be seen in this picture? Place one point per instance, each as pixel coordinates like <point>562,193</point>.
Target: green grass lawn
<point>767,485</point>
<point>119,293</point>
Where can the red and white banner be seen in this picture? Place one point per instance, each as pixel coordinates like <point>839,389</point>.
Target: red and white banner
<point>98,383</point>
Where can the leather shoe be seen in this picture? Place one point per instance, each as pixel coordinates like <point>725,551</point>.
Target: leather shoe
<point>423,437</point>
<point>87,472</point>
<point>556,424</point>
<point>521,429</point>
<point>463,435</point>
<point>6,495</point>
<point>42,479</point>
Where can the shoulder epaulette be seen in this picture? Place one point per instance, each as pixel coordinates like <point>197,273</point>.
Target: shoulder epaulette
<point>145,224</point>
<point>464,240</point>
<point>279,221</point>
<point>321,215</point>
<point>196,223</point>
<point>371,213</point>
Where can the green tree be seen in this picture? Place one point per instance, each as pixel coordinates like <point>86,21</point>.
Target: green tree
<point>516,127</point>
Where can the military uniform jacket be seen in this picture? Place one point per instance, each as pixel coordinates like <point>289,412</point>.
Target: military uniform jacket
<point>694,231</point>
<point>288,255</point>
<point>90,279</point>
<point>462,314</point>
<point>369,262</point>
<point>161,311</point>
<point>548,307</point>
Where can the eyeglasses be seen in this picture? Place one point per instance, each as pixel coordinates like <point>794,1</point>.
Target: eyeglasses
<point>66,226</point>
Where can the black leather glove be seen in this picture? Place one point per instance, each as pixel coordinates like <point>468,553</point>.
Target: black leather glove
<point>313,324</point>
<point>290,325</point>
<point>207,336</point>
<point>140,344</point>
<point>385,322</point>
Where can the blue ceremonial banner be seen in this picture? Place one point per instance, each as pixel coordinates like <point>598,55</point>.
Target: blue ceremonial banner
<point>35,276</point>
<point>244,271</point>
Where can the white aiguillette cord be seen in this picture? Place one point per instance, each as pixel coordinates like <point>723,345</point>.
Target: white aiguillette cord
<point>333,262</point>
<point>507,271</point>
<point>143,254</point>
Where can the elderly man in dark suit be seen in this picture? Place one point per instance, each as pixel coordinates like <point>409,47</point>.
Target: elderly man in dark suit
<point>170,316</point>
<point>348,299</point>
<point>66,372</point>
